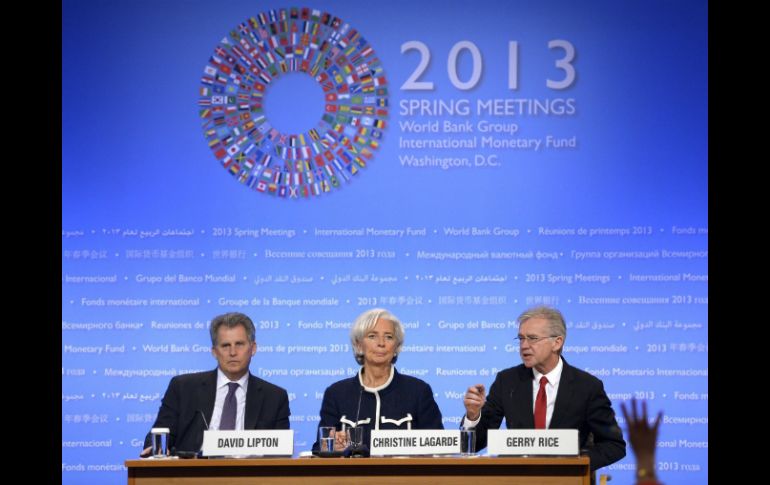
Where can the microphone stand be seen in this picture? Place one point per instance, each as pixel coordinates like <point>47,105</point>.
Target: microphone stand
<point>357,450</point>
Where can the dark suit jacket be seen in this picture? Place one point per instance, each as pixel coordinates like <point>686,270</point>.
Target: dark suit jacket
<point>581,404</point>
<point>190,396</point>
<point>405,395</point>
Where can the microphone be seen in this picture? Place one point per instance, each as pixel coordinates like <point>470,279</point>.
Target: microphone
<point>203,417</point>
<point>199,453</point>
<point>360,394</point>
<point>357,450</point>
<point>190,454</point>
<point>183,454</point>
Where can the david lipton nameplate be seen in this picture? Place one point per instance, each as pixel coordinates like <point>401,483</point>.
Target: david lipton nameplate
<point>248,442</point>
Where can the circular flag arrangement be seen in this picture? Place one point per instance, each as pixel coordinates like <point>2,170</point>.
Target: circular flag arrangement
<point>256,54</point>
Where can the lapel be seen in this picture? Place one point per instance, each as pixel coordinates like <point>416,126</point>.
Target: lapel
<point>208,394</point>
<point>521,394</point>
<point>564,396</point>
<point>253,403</point>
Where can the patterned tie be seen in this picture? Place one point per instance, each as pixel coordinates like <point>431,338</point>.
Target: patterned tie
<point>230,408</point>
<point>540,404</point>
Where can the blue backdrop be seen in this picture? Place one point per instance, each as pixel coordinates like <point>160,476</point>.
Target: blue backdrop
<point>476,158</point>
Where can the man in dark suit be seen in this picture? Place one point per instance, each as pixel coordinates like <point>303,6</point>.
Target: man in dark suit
<point>228,397</point>
<point>569,397</point>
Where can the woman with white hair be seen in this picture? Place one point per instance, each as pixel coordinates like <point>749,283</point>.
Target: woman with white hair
<point>378,397</point>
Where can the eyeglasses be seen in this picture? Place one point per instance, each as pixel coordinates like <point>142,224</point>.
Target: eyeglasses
<point>533,339</point>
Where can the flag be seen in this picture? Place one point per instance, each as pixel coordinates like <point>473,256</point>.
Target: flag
<point>249,58</point>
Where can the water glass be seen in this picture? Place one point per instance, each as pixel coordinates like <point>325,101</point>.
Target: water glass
<point>159,442</point>
<point>326,435</point>
<point>355,437</point>
<point>468,441</point>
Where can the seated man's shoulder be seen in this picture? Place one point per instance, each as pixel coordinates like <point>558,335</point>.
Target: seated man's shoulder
<point>585,376</point>
<point>192,377</point>
<point>512,372</point>
<point>268,386</point>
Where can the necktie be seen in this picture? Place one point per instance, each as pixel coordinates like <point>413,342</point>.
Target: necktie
<point>230,409</point>
<point>540,404</point>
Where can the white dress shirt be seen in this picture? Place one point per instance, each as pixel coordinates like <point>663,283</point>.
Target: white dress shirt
<point>550,390</point>
<point>240,396</point>
<point>550,395</point>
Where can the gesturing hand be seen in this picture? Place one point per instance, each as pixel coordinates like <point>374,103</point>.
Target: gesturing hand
<point>473,400</point>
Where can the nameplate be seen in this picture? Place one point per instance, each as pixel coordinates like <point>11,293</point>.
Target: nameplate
<point>392,442</point>
<point>516,442</point>
<point>248,442</point>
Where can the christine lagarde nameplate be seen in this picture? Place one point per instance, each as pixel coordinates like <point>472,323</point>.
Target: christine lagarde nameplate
<point>415,442</point>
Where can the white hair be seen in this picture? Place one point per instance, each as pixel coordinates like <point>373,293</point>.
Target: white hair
<point>365,322</point>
